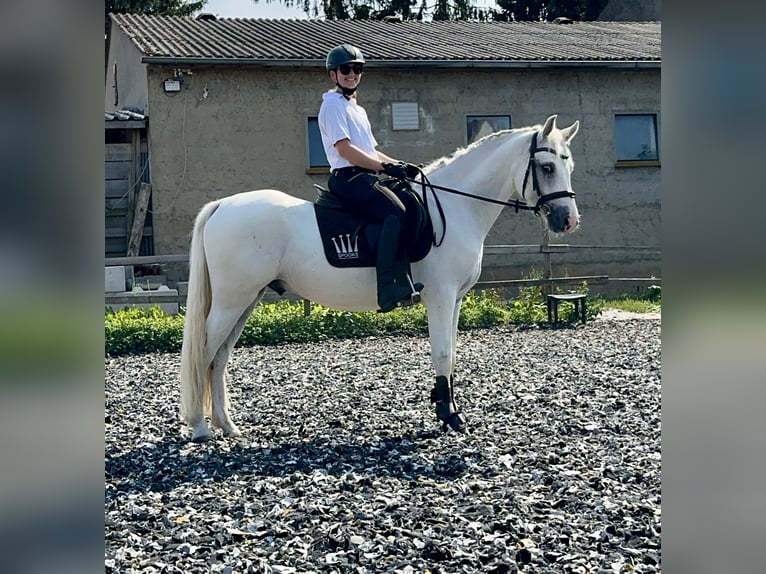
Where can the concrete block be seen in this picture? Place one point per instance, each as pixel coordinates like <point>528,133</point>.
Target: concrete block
<point>114,279</point>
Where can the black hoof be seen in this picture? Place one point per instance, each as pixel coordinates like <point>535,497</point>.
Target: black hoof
<point>456,422</point>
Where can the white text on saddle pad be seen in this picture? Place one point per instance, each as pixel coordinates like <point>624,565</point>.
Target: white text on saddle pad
<point>344,247</point>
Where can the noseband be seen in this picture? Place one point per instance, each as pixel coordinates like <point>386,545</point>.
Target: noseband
<point>542,199</point>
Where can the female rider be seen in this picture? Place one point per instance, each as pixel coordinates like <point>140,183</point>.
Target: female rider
<point>355,165</point>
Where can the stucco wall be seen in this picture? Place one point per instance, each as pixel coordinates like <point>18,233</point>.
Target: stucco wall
<point>130,78</point>
<point>250,132</point>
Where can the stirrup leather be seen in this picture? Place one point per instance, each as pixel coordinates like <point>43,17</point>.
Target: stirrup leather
<point>446,408</point>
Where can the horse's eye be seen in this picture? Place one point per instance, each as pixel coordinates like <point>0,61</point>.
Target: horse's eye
<point>547,167</point>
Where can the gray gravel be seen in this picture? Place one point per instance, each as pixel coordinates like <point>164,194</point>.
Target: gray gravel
<point>343,467</point>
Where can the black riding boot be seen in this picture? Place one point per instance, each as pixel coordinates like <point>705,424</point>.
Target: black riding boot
<point>389,292</point>
<point>446,409</point>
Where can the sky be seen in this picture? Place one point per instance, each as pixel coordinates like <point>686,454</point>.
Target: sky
<point>251,9</point>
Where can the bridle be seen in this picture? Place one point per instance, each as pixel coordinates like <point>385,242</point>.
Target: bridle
<point>542,198</point>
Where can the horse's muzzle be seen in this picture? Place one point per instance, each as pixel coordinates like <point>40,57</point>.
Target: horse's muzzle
<point>561,218</point>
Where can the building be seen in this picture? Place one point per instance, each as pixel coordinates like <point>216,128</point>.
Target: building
<point>230,105</point>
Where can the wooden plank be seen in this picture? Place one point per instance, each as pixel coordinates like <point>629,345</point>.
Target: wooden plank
<point>142,297</point>
<point>115,187</point>
<point>510,249</point>
<point>139,217</point>
<point>117,170</point>
<point>147,259</point>
<point>590,279</point>
<point>115,245</point>
<point>117,206</point>
<point>655,280</point>
<point>554,248</point>
<point>517,249</point>
<point>116,228</point>
<point>118,152</point>
<point>125,124</point>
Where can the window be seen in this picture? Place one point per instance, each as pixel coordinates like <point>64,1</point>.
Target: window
<point>635,138</point>
<point>479,126</point>
<point>317,159</point>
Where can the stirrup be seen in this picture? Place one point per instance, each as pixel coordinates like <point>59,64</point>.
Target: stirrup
<point>416,289</point>
<point>392,300</point>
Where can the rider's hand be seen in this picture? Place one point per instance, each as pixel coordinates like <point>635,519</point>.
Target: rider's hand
<point>412,170</point>
<point>397,170</point>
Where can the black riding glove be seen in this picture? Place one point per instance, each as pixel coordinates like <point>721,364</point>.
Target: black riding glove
<point>412,170</point>
<point>401,170</point>
<point>396,170</point>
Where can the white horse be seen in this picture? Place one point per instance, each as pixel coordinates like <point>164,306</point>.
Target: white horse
<point>242,243</point>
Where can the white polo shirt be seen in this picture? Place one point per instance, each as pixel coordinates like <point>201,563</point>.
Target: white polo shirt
<point>339,119</point>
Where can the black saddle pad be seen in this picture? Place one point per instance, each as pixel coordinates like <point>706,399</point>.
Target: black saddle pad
<point>350,240</point>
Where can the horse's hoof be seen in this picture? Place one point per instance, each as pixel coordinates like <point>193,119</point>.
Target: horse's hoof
<point>232,432</point>
<point>456,421</point>
<point>201,437</point>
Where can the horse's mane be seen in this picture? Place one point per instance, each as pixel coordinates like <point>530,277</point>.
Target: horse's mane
<point>447,159</point>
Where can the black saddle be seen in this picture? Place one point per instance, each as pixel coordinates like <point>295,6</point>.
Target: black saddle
<point>351,240</point>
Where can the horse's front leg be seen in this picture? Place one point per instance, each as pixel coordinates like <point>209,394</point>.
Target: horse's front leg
<point>443,315</point>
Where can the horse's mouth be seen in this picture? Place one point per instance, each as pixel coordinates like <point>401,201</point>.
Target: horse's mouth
<point>563,221</point>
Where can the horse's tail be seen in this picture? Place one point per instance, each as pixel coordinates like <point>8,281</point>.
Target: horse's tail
<point>196,400</point>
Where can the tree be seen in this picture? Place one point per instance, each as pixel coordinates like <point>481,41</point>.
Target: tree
<point>525,10</point>
<point>539,10</point>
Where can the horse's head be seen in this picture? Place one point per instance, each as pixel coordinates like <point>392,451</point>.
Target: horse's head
<point>547,181</point>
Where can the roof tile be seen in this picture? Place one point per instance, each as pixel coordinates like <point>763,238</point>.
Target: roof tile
<point>451,41</point>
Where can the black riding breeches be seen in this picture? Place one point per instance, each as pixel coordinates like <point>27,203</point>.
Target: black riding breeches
<point>362,191</point>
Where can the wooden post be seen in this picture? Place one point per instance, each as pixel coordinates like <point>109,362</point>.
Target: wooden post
<point>139,217</point>
<point>548,271</point>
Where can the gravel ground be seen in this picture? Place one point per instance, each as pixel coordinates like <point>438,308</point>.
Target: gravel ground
<point>343,468</point>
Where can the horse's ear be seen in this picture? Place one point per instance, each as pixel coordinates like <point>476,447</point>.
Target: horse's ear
<point>550,125</point>
<point>571,131</point>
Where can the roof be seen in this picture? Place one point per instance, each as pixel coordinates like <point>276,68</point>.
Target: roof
<point>255,41</point>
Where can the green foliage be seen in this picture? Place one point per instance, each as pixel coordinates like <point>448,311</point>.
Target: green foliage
<point>158,7</point>
<point>136,331</point>
<point>539,10</point>
<point>644,300</point>
<point>530,10</point>
<point>483,309</point>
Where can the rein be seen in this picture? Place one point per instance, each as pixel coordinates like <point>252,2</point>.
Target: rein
<point>516,204</point>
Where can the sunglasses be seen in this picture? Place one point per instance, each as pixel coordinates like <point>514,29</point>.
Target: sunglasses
<point>346,68</point>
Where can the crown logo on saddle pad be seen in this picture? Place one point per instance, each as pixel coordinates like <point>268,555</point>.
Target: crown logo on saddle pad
<point>344,246</point>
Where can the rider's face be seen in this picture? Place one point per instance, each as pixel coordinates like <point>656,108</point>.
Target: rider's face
<point>350,79</point>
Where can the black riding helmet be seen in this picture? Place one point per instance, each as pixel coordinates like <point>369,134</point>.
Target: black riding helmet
<point>344,54</point>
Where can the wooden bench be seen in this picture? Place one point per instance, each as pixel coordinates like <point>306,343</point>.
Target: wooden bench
<point>578,299</point>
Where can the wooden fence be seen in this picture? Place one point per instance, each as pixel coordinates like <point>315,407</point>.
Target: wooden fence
<point>547,250</point>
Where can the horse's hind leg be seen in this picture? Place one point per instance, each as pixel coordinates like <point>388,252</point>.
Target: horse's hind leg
<point>219,416</point>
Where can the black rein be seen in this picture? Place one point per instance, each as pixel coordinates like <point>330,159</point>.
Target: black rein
<point>516,204</point>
